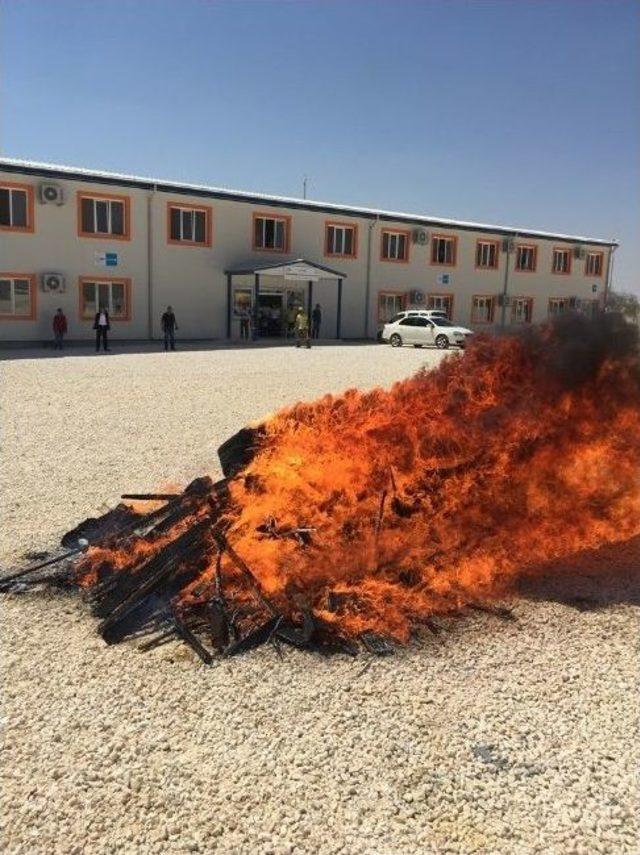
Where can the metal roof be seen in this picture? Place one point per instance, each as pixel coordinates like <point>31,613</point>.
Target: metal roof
<point>51,170</point>
<point>281,266</point>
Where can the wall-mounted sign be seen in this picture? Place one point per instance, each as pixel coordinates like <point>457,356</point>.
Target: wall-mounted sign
<point>594,287</point>
<point>106,259</point>
<point>301,271</point>
<point>444,279</point>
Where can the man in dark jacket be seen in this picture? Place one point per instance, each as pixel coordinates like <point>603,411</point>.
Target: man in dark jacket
<point>169,327</point>
<point>316,320</point>
<point>102,326</point>
<point>59,328</point>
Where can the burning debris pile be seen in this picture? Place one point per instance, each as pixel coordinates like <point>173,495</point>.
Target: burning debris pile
<point>359,518</point>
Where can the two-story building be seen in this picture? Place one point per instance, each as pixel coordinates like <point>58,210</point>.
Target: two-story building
<point>83,240</point>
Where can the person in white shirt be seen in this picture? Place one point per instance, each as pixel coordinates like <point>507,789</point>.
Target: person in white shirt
<point>101,325</point>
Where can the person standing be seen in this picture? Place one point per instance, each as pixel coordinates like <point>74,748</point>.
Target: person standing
<point>302,328</point>
<point>59,328</point>
<point>245,321</point>
<point>102,326</point>
<point>316,320</point>
<point>169,327</point>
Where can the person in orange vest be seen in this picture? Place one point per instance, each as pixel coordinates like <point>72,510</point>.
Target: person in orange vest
<point>59,328</point>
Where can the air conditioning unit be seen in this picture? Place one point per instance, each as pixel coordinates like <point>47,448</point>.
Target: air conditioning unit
<point>421,237</point>
<point>51,194</point>
<point>504,299</point>
<point>580,252</point>
<point>53,283</point>
<point>508,245</point>
<point>416,298</point>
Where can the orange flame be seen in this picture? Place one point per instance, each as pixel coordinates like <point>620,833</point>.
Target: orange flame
<point>437,492</point>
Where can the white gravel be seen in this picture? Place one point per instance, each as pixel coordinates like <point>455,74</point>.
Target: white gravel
<point>503,738</point>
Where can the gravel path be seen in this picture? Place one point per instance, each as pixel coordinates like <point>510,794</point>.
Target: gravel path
<point>503,738</point>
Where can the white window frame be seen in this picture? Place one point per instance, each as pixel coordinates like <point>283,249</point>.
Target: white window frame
<point>96,200</point>
<point>275,220</point>
<point>12,286</point>
<point>529,248</point>
<point>340,239</point>
<point>558,302</point>
<point>590,259</point>
<point>563,271</point>
<point>12,192</point>
<point>487,301</point>
<point>452,243</point>
<point>187,209</point>
<point>393,239</point>
<point>444,302</point>
<point>97,283</point>
<point>483,250</point>
<point>521,303</point>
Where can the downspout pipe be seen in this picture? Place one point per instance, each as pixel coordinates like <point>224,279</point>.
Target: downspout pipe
<point>505,284</point>
<point>367,288</point>
<point>150,197</point>
<point>609,277</point>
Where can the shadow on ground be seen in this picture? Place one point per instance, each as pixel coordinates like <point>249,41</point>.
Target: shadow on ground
<point>589,580</point>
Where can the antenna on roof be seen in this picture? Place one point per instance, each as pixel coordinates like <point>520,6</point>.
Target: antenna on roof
<point>304,187</point>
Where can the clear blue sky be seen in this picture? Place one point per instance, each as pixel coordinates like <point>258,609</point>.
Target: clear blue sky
<point>522,113</point>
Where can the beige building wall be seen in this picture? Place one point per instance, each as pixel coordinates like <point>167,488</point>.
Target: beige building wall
<point>193,281</point>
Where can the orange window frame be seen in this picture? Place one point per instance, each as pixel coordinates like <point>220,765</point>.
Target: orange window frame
<point>28,189</point>
<point>493,307</point>
<point>207,210</point>
<point>533,269</point>
<point>261,215</point>
<point>553,255</point>
<point>566,300</point>
<point>529,300</point>
<point>407,243</point>
<point>120,280</point>
<point>495,266</point>
<point>600,255</point>
<point>454,239</point>
<point>113,197</point>
<point>388,293</point>
<point>33,295</point>
<point>450,297</point>
<point>340,225</point>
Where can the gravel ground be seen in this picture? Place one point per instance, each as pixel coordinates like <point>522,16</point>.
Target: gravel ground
<point>502,738</point>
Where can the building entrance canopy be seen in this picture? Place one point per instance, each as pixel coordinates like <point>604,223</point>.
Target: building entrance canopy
<point>297,270</point>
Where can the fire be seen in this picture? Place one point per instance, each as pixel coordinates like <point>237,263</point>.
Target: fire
<point>377,510</point>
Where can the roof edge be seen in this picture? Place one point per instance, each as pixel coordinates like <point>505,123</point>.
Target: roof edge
<point>44,170</point>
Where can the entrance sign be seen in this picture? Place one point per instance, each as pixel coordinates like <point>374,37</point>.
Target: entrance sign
<point>106,259</point>
<point>301,271</point>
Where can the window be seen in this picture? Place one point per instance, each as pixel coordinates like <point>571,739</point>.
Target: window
<point>558,306</point>
<point>561,261</point>
<point>521,310</point>
<point>389,304</point>
<point>487,254</point>
<point>100,215</point>
<point>395,246</point>
<point>17,296</point>
<point>271,233</point>
<point>98,293</point>
<point>594,264</point>
<point>443,250</point>
<point>16,207</point>
<point>341,239</point>
<point>415,321</point>
<point>526,258</point>
<point>482,309</point>
<point>187,225</point>
<point>444,302</point>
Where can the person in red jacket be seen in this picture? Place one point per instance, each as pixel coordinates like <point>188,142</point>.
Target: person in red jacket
<point>59,328</point>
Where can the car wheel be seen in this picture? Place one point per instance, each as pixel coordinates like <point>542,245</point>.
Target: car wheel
<point>395,340</point>
<point>442,342</point>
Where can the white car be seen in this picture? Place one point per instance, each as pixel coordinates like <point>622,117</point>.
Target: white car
<point>419,330</point>
<point>423,313</point>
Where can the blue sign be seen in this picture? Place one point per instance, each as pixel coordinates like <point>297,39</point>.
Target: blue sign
<point>111,259</point>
